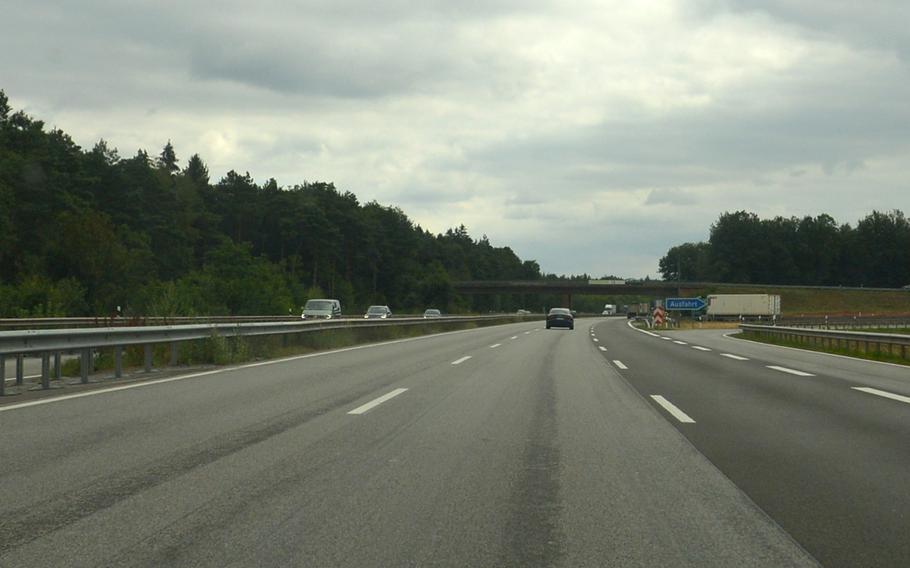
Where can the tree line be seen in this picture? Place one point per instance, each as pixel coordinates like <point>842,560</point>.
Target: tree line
<point>743,248</point>
<point>85,231</point>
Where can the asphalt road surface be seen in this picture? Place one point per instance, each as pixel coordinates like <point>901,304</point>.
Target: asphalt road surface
<point>502,446</point>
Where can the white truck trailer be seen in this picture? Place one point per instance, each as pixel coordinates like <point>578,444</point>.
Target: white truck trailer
<point>743,305</point>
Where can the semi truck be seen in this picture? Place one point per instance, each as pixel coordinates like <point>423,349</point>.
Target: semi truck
<point>641,309</point>
<point>744,305</point>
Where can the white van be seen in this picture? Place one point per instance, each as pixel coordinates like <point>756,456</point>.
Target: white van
<point>321,308</point>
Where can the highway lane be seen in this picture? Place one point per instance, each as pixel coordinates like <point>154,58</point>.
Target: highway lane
<point>826,461</point>
<point>511,446</point>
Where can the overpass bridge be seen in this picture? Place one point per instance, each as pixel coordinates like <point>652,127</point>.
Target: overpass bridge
<point>569,288</point>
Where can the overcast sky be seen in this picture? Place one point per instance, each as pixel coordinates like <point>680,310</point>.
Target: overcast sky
<point>589,136</point>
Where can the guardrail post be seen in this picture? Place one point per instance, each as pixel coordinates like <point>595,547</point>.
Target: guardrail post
<point>58,370</point>
<point>173,353</point>
<point>20,369</point>
<point>84,362</point>
<point>2,375</point>
<point>45,370</point>
<point>118,361</point>
<point>148,357</point>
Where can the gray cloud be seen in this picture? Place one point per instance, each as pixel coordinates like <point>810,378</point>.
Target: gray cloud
<point>669,197</point>
<point>509,116</point>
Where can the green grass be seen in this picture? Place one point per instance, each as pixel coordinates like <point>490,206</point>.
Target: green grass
<point>857,353</point>
<point>813,302</point>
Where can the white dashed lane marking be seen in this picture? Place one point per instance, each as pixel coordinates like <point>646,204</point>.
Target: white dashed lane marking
<point>672,409</point>
<point>732,356</point>
<point>700,348</point>
<point>619,364</point>
<point>376,402</point>
<point>790,371</point>
<point>462,360</point>
<point>883,394</point>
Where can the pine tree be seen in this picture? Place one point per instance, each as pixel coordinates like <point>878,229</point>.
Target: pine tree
<point>167,161</point>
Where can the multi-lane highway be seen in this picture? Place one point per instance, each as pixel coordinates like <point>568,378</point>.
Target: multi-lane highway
<point>502,446</point>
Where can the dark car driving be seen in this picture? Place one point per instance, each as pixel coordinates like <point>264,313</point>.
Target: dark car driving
<point>560,317</point>
<point>378,312</point>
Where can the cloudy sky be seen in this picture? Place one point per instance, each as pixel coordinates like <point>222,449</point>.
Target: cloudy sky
<point>590,136</point>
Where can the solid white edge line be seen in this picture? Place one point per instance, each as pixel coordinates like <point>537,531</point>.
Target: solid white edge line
<point>732,336</point>
<point>601,347</point>
<point>884,394</point>
<point>462,360</point>
<point>672,409</point>
<point>700,348</point>
<point>377,401</point>
<point>224,370</point>
<point>629,323</point>
<point>495,345</point>
<point>732,356</point>
<point>619,364</point>
<point>790,371</point>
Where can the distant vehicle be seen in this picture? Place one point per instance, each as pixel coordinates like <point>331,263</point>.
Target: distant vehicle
<point>609,310</point>
<point>432,313</point>
<point>639,309</point>
<point>523,312</point>
<point>321,308</point>
<point>378,312</point>
<point>907,287</point>
<point>560,317</point>
<point>744,305</point>
<point>607,282</point>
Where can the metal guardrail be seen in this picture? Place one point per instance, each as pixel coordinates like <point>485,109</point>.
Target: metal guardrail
<point>77,322</point>
<point>841,322</point>
<point>47,342</point>
<point>895,344</point>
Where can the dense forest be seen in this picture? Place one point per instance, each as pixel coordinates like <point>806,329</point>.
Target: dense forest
<point>85,231</point>
<point>810,251</point>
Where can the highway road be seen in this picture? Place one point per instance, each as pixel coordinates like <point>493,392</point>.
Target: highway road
<point>501,446</point>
